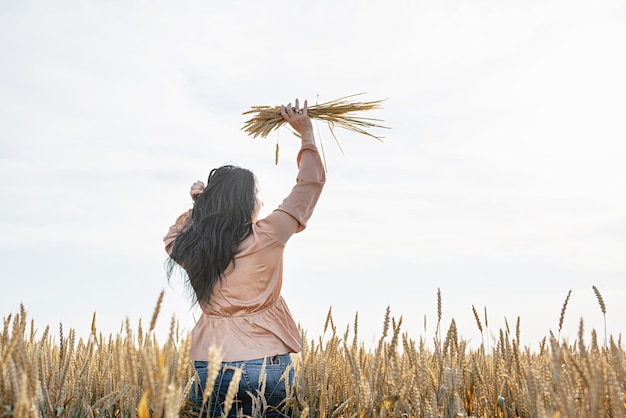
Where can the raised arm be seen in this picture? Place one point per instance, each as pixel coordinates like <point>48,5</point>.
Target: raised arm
<point>293,214</point>
<point>183,220</point>
<point>180,224</point>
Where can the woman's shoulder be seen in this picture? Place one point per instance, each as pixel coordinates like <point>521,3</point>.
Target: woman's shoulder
<point>278,226</point>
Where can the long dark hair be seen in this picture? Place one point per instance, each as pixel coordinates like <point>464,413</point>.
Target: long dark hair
<point>221,218</point>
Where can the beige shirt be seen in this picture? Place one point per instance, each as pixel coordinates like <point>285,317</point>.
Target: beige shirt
<point>248,318</point>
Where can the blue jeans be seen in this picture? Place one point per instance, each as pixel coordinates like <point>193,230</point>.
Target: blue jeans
<point>275,386</point>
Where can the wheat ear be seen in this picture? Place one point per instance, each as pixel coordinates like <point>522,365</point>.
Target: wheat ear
<point>562,317</point>
<point>603,309</point>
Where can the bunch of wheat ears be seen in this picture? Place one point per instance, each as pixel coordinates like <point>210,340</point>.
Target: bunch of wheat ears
<point>341,113</point>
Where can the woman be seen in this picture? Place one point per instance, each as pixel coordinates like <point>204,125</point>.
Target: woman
<point>234,264</point>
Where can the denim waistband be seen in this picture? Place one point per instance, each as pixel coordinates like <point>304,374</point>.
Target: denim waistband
<point>277,359</point>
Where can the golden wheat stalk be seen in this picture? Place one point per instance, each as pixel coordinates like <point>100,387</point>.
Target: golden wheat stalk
<point>336,113</point>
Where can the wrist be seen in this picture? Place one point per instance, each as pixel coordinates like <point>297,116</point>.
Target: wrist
<point>307,137</point>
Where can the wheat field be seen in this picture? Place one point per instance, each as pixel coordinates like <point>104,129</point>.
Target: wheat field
<point>52,374</point>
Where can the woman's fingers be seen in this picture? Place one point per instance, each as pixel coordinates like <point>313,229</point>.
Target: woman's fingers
<point>289,111</point>
<point>286,111</point>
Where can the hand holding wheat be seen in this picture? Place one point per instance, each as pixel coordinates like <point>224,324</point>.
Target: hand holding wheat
<point>336,113</point>
<point>299,120</point>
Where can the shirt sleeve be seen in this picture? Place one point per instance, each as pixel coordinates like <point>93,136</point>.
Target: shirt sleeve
<point>181,223</point>
<point>293,214</point>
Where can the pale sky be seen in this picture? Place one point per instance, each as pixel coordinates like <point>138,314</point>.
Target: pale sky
<point>501,181</point>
